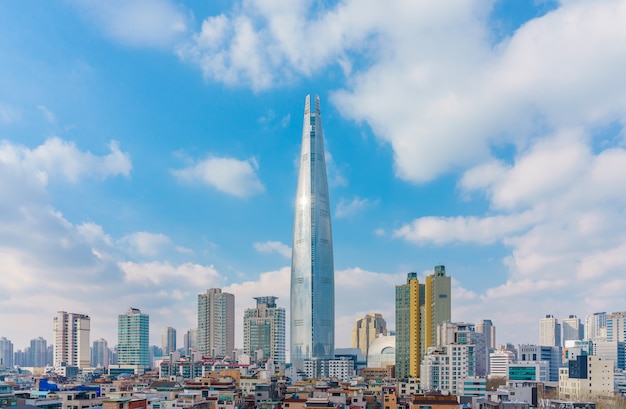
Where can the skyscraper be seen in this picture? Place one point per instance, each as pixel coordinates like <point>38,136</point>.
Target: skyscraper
<point>6,353</point>
<point>572,329</point>
<point>71,339</point>
<point>168,340</point>
<point>38,352</point>
<point>133,335</point>
<point>366,330</point>
<point>595,326</point>
<point>312,266</point>
<point>438,303</point>
<point>487,328</point>
<point>616,326</point>
<point>100,353</point>
<point>264,329</point>
<point>216,323</point>
<point>419,309</point>
<point>549,331</point>
<point>190,341</point>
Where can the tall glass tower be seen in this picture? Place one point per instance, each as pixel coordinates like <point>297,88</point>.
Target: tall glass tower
<point>312,268</point>
<point>133,334</point>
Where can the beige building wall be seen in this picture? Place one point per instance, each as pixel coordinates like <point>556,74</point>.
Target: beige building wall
<point>71,339</point>
<point>599,382</point>
<point>366,329</point>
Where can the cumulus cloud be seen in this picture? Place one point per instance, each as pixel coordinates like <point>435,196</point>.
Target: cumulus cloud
<point>161,274</point>
<point>261,44</point>
<point>138,23</point>
<point>428,81</point>
<point>232,176</point>
<point>273,247</point>
<point>347,208</point>
<point>559,209</point>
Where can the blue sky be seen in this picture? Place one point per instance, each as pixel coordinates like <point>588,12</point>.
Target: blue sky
<point>148,152</point>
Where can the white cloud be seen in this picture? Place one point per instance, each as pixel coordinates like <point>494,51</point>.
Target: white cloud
<point>144,243</point>
<point>432,85</point>
<point>58,158</point>
<point>559,209</point>
<point>347,208</point>
<point>485,230</point>
<point>233,176</point>
<point>273,247</point>
<point>164,274</point>
<point>138,23</point>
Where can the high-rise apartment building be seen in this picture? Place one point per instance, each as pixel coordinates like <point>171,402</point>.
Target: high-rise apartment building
<point>572,329</point>
<point>616,329</point>
<point>190,341</point>
<point>487,328</point>
<point>461,333</point>
<point>133,335</point>
<point>312,268</point>
<point>419,309</point>
<point>100,356</point>
<point>438,303</point>
<point>38,352</point>
<point>549,331</point>
<point>264,330</point>
<point>366,330</point>
<point>6,353</point>
<point>595,326</point>
<point>444,367</point>
<point>216,323</point>
<point>168,340</point>
<point>71,339</point>
<point>616,326</point>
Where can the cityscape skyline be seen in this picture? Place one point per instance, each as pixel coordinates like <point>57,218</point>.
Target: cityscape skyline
<point>141,166</point>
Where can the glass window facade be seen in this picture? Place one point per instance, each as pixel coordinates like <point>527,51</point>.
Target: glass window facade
<point>312,266</point>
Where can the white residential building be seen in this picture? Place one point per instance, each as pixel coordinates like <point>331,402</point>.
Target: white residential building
<point>499,362</point>
<point>71,340</point>
<point>445,366</point>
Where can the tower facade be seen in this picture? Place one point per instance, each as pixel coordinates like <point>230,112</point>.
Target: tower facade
<point>419,309</point>
<point>549,331</point>
<point>264,329</point>
<point>216,323</point>
<point>100,353</point>
<point>595,326</point>
<point>366,330</point>
<point>38,352</point>
<point>6,353</point>
<point>409,338</point>
<point>190,341</point>
<point>71,339</point>
<point>133,335</point>
<point>487,328</point>
<point>438,303</point>
<point>168,340</point>
<point>312,267</point>
<point>572,329</point>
